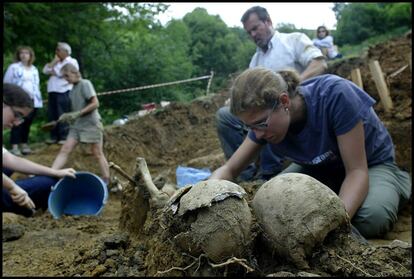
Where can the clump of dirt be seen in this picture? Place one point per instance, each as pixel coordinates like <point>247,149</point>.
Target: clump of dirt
<point>185,134</point>
<point>168,137</point>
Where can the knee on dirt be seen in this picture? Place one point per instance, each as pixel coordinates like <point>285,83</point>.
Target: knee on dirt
<point>374,221</point>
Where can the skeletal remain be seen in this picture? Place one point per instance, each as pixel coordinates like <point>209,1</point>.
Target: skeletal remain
<point>157,198</point>
<point>121,171</point>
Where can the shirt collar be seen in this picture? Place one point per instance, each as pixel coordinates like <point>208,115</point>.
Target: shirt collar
<point>271,43</point>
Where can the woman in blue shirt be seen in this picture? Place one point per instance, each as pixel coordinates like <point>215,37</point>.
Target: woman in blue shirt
<point>24,195</point>
<point>328,128</point>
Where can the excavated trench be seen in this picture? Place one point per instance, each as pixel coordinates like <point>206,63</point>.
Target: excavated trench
<point>184,134</point>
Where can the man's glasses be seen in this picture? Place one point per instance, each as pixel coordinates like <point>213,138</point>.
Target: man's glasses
<point>264,124</point>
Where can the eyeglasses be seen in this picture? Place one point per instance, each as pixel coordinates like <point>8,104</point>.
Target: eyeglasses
<point>264,124</point>
<point>18,116</point>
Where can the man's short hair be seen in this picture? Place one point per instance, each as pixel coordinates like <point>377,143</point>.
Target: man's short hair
<point>261,12</point>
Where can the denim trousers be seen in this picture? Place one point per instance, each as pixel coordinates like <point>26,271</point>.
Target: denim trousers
<point>38,189</point>
<point>231,133</point>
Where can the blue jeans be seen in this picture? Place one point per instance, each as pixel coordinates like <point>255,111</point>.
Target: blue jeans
<point>231,133</point>
<point>38,188</point>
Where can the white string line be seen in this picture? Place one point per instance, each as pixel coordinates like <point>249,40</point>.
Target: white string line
<point>152,86</point>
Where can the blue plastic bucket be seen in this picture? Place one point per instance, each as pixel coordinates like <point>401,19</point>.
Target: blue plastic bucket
<point>84,195</point>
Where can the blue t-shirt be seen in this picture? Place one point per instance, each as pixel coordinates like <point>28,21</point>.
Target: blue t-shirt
<point>334,107</point>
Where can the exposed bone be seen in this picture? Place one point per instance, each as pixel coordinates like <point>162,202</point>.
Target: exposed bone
<point>121,171</point>
<point>158,198</point>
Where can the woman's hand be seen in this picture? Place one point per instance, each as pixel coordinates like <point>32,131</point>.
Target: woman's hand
<point>66,172</point>
<point>55,60</point>
<point>21,197</point>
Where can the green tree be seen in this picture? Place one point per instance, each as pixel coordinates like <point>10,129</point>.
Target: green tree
<point>214,46</point>
<point>286,27</point>
<point>360,21</point>
<point>398,14</point>
<point>98,34</point>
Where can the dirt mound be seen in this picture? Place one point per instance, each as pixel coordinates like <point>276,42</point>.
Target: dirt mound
<point>394,58</point>
<point>184,134</point>
<point>168,137</point>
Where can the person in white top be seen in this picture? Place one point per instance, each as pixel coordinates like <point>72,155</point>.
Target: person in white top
<point>275,51</point>
<point>325,43</point>
<point>25,195</point>
<point>58,91</point>
<point>24,74</point>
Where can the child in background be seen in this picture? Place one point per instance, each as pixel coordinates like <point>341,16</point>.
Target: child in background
<point>325,43</point>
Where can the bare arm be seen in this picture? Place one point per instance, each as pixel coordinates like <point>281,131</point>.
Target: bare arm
<point>355,186</point>
<point>316,67</point>
<point>48,68</point>
<point>243,156</point>
<point>93,104</point>
<point>17,194</point>
<point>25,166</point>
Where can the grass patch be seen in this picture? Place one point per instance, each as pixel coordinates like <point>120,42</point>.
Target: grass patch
<point>350,51</point>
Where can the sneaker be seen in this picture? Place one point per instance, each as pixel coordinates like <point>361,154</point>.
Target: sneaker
<point>61,142</point>
<point>16,151</point>
<point>26,149</point>
<point>50,141</point>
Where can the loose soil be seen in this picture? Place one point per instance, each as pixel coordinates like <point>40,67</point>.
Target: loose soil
<point>184,134</point>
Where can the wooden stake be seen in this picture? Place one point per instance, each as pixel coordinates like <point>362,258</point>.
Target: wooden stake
<point>409,60</point>
<point>382,88</point>
<point>356,77</point>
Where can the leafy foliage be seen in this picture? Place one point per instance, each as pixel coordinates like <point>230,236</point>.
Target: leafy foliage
<point>123,45</point>
<point>358,22</point>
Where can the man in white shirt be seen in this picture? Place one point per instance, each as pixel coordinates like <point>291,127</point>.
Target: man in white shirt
<point>58,91</point>
<point>276,51</point>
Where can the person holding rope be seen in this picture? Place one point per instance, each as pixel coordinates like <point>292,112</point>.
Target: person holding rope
<point>23,196</point>
<point>84,119</point>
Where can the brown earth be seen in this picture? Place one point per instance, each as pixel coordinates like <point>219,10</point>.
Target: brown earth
<point>184,134</point>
